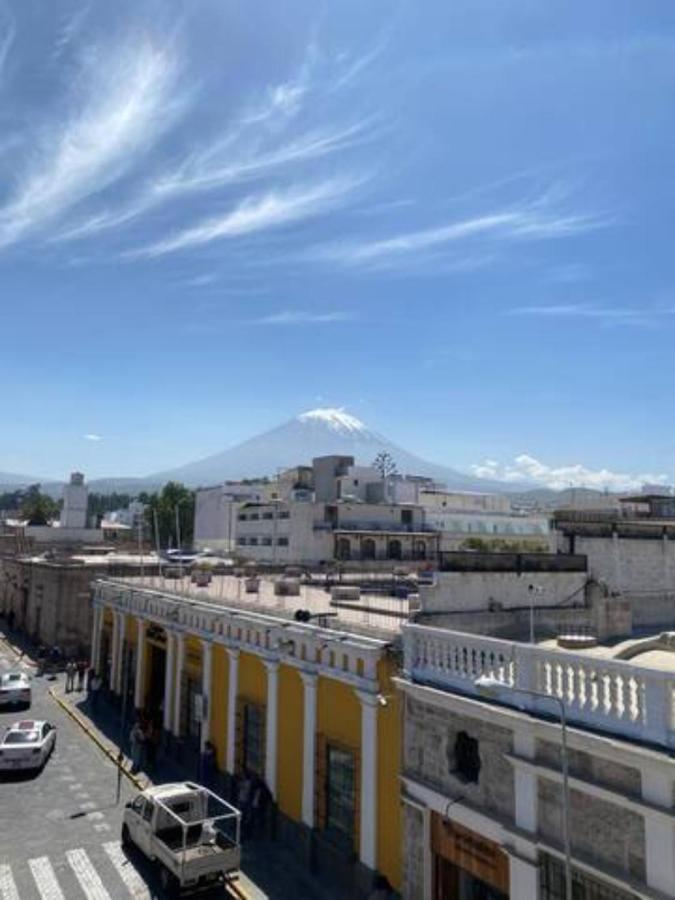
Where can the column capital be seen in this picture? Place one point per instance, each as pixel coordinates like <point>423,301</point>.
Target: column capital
<point>207,645</point>
<point>309,679</point>
<point>233,653</point>
<point>368,698</point>
<point>272,666</point>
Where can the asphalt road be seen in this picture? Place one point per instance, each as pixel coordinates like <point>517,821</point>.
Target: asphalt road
<point>60,829</point>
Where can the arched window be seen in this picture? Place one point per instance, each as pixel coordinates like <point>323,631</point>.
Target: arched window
<point>419,550</point>
<point>344,548</point>
<point>368,549</point>
<point>394,550</point>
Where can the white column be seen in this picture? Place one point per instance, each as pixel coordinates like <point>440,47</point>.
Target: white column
<point>232,691</point>
<point>169,692</point>
<point>368,849</point>
<point>139,682</point>
<point>114,652</point>
<point>272,726</point>
<point>207,669</point>
<point>96,639</point>
<point>120,652</point>
<point>525,783</point>
<point>179,646</point>
<point>308,747</point>
<point>523,878</point>
<point>657,788</point>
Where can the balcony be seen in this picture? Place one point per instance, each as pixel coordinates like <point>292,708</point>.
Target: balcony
<point>606,695</point>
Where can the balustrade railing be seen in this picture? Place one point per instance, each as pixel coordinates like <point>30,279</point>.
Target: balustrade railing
<point>605,694</point>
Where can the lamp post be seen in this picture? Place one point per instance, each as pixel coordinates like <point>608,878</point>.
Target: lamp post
<point>533,590</point>
<point>491,687</point>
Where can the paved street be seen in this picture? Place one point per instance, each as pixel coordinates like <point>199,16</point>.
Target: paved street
<point>60,829</point>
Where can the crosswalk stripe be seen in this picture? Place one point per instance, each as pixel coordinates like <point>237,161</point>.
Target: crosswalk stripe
<point>87,875</point>
<point>8,889</point>
<point>126,871</point>
<point>45,879</point>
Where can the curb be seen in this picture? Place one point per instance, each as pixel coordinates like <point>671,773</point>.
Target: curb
<point>90,732</point>
<point>20,654</point>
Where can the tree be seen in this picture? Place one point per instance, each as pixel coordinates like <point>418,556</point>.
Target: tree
<point>100,504</point>
<point>38,508</point>
<point>173,495</point>
<point>385,464</point>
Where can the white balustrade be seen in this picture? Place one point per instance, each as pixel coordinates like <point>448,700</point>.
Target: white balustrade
<point>610,695</point>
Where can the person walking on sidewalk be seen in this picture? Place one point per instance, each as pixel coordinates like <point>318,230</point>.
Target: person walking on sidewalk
<point>71,669</point>
<point>137,741</point>
<point>94,690</point>
<point>81,672</point>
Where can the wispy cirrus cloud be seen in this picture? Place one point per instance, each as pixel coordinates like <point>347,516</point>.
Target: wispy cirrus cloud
<point>303,317</point>
<point>533,221</point>
<point>91,436</point>
<point>122,102</point>
<point>7,35</point>
<point>526,468</point>
<point>617,315</point>
<point>257,213</point>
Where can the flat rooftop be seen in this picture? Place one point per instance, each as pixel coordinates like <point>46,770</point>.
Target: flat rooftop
<point>376,615</point>
<point>649,650</point>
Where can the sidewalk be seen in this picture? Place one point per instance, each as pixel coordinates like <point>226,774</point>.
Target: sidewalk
<point>270,869</point>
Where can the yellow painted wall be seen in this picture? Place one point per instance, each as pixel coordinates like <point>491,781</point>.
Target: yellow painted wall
<point>290,740</point>
<point>193,656</point>
<point>252,679</point>
<point>220,670</point>
<point>131,629</point>
<point>338,712</point>
<point>389,736</point>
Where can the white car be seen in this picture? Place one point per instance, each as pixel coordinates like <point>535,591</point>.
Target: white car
<point>27,745</point>
<point>15,689</point>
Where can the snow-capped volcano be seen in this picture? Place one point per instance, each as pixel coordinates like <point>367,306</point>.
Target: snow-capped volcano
<point>317,432</point>
<point>335,419</point>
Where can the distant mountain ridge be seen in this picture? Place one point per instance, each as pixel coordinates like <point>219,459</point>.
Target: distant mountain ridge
<point>318,432</point>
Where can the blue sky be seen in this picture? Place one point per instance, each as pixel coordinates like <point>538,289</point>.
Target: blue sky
<point>451,219</point>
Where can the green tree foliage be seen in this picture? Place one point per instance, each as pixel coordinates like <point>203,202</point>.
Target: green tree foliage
<point>38,508</point>
<point>173,495</point>
<point>12,500</point>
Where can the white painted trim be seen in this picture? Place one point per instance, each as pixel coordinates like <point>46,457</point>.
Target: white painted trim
<point>178,661</point>
<point>169,680</point>
<point>139,681</point>
<point>368,848</point>
<point>612,747</point>
<point>272,726</point>
<point>207,677</point>
<point>310,684</point>
<point>232,691</point>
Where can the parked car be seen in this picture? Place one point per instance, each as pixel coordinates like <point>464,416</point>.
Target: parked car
<point>15,689</point>
<point>27,745</point>
<point>188,831</point>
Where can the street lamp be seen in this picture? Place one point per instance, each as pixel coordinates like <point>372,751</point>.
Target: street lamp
<point>533,590</point>
<point>491,687</point>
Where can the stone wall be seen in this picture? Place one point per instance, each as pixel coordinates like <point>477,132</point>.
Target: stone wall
<point>602,831</point>
<point>474,591</point>
<point>429,757</point>
<point>413,853</point>
<point>605,772</point>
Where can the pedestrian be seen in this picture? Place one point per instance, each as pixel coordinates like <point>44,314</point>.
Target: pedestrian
<point>94,690</point>
<point>10,619</point>
<point>71,670</point>
<point>137,741</point>
<point>151,742</point>
<point>208,764</point>
<point>41,659</point>
<point>260,800</point>
<point>244,797</point>
<point>81,671</point>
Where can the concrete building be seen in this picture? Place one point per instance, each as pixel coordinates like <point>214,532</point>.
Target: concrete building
<point>51,596</point>
<point>74,512</point>
<point>315,533</point>
<point>310,710</point>
<point>216,510</point>
<point>482,778</point>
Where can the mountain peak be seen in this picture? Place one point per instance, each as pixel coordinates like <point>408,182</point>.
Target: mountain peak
<point>335,419</point>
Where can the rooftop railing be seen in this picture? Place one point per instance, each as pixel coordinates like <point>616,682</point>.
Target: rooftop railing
<point>606,695</point>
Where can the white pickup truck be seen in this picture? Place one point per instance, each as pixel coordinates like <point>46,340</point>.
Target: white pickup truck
<point>189,832</point>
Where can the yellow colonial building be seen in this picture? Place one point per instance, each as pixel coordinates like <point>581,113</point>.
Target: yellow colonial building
<point>309,709</point>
